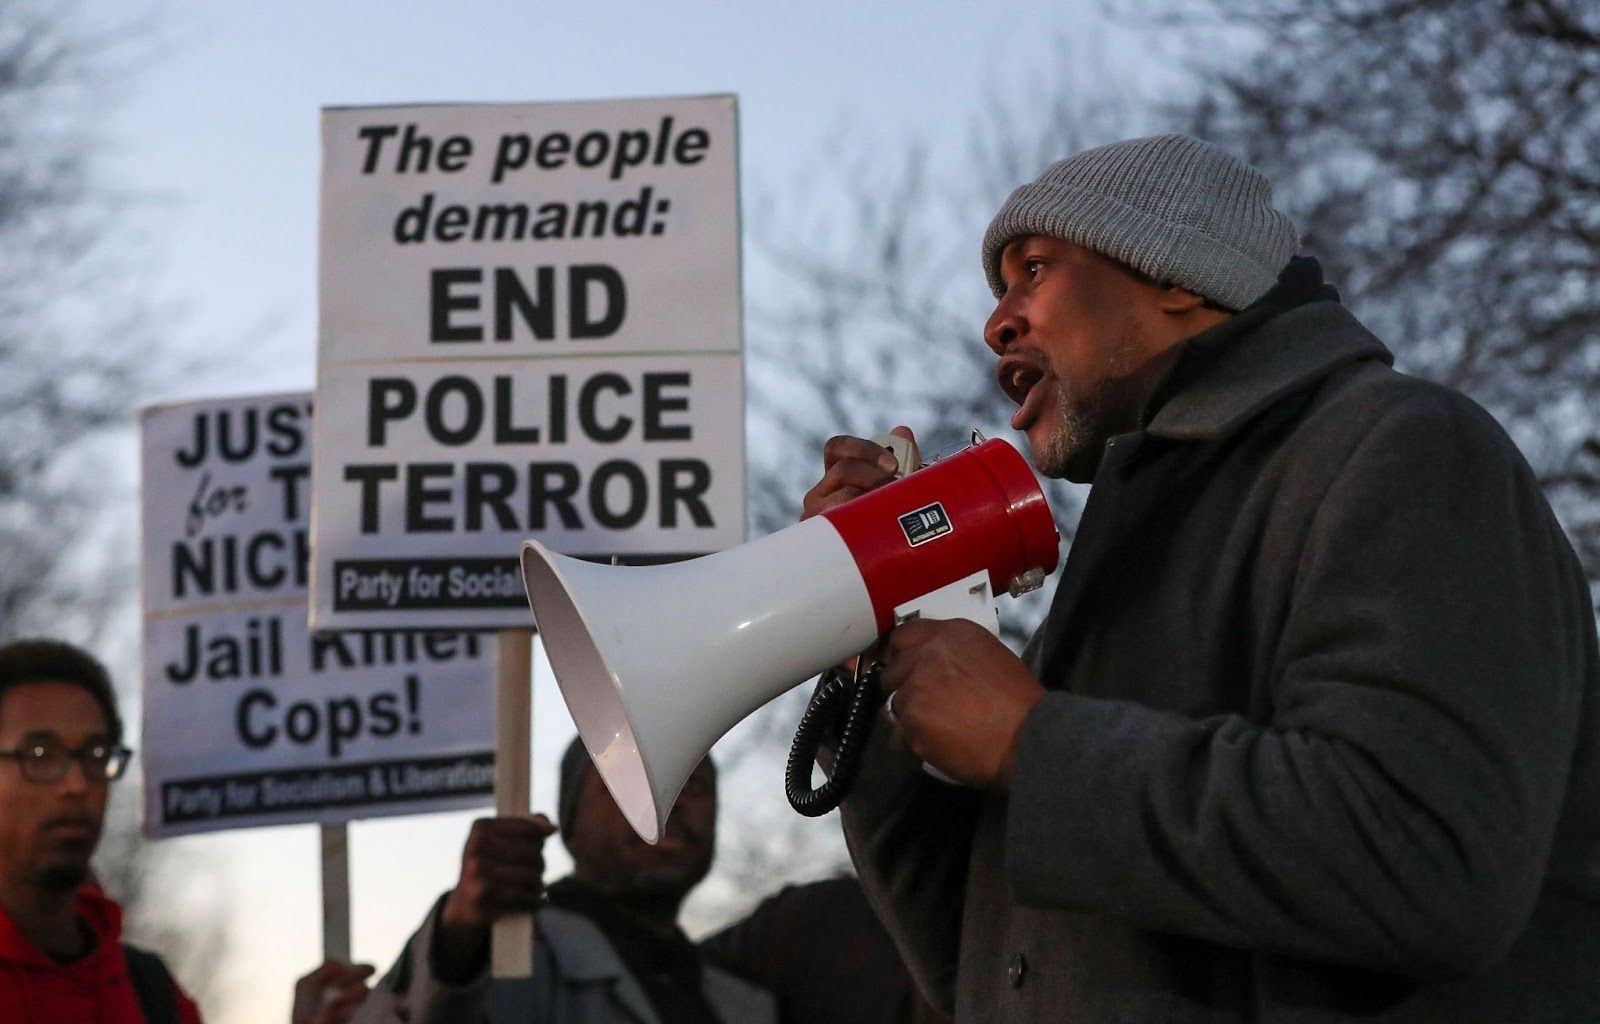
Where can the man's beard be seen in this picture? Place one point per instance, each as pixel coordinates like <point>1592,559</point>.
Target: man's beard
<point>63,877</point>
<point>657,887</point>
<point>1066,450</point>
<point>1086,420</point>
<point>670,881</point>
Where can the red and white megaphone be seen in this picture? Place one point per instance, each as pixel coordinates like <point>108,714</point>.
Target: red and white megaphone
<point>657,662</point>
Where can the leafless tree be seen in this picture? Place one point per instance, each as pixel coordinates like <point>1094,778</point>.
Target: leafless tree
<point>76,340</point>
<point>1439,158</point>
<point>79,347</point>
<point>880,302</point>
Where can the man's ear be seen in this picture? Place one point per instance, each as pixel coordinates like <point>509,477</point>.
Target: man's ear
<point>1178,301</point>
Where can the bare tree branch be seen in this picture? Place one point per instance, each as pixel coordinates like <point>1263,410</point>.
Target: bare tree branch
<point>80,348</point>
<point>1438,158</point>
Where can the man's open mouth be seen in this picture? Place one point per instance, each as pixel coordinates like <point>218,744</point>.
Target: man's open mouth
<point>1019,378</point>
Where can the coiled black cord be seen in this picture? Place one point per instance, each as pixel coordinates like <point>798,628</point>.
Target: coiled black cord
<point>843,708</point>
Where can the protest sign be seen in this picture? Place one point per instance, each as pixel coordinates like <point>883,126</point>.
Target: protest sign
<point>249,719</point>
<point>529,327</point>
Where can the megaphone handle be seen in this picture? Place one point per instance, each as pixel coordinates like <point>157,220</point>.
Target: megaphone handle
<point>855,702</point>
<point>969,598</point>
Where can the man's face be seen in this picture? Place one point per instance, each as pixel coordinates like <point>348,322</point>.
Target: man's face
<point>1073,333</point>
<point>609,855</point>
<point>48,830</point>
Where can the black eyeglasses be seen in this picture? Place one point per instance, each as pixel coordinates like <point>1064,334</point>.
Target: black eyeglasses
<point>48,760</point>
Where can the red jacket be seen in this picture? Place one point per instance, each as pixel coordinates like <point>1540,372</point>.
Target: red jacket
<point>35,989</point>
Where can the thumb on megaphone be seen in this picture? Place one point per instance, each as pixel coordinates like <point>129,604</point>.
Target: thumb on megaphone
<point>902,443</point>
<point>852,466</point>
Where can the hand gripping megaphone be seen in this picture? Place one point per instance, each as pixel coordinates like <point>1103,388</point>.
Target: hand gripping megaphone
<point>657,662</point>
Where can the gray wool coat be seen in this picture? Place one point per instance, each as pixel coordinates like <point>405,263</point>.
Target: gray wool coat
<point>1320,737</point>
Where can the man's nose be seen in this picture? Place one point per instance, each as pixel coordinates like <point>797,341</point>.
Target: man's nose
<point>76,779</point>
<point>1005,326</point>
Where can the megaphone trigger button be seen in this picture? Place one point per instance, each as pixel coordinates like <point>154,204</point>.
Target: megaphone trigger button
<point>904,452</point>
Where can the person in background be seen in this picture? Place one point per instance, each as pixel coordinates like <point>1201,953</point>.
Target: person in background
<point>607,943</point>
<point>62,958</point>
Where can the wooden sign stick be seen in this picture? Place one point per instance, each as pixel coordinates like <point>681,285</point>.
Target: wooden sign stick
<point>511,947</point>
<point>336,891</point>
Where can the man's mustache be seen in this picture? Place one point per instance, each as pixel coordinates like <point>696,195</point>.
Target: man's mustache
<point>84,820</point>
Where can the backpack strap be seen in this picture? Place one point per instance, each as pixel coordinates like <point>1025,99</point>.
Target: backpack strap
<point>153,985</point>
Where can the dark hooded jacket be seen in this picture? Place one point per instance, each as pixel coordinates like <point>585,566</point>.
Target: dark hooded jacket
<point>1320,737</point>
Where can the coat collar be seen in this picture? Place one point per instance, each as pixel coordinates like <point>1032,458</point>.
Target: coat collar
<point>1234,370</point>
<point>1225,376</point>
<point>579,946</point>
<point>585,956</point>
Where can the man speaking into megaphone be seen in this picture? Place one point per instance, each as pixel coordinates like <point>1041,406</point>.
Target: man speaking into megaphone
<point>1309,731</point>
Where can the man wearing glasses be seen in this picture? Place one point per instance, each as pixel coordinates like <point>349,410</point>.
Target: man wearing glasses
<point>61,955</point>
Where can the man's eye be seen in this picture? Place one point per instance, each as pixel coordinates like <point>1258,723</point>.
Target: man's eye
<point>1032,267</point>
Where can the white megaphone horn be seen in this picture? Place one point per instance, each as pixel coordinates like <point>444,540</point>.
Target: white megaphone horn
<point>657,662</point>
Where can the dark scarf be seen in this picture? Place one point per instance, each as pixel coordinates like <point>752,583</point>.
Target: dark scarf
<point>667,967</point>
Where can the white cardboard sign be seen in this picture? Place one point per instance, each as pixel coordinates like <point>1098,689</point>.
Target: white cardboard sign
<point>249,719</point>
<point>529,327</point>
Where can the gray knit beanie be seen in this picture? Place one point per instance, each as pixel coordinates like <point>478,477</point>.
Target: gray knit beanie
<point>1174,207</point>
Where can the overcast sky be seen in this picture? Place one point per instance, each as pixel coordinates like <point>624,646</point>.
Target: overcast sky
<point>217,135</point>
